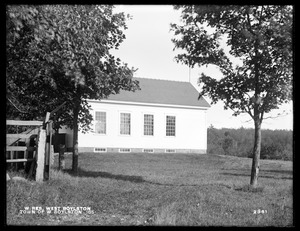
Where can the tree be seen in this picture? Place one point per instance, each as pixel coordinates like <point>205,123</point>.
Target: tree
<point>62,54</point>
<point>20,67</point>
<point>261,36</point>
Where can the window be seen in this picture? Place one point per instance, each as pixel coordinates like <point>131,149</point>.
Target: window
<point>170,126</point>
<point>125,124</point>
<point>148,150</point>
<point>125,150</point>
<point>100,150</point>
<point>148,124</point>
<point>170,150</point>
<point>100,125</point>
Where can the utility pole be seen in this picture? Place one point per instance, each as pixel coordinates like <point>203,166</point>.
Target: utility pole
<point>189,74</point>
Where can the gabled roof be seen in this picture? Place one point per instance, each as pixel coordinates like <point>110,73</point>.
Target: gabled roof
<point>156,91</point>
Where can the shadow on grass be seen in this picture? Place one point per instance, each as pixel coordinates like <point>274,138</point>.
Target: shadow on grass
<point>288,172</point>
<point>261,176</point>
<point>130,178</point>
<point>249,188</point>
<point>83,173</point>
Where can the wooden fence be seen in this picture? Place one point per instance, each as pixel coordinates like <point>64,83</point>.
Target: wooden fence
<point>12,140</point>
<point>41,152</point>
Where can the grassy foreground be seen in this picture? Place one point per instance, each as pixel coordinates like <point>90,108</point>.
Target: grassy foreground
<point>159,189</point>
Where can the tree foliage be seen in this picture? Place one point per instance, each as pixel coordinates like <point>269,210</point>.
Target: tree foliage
<point>61,53</point>
<point>261,37</point>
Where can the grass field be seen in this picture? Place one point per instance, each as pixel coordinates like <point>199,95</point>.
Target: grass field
<point>159,189</point>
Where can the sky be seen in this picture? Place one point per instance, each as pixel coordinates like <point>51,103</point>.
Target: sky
<point>149,48</point>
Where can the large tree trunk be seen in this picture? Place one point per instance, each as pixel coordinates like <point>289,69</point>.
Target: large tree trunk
<point>257,120</point>
<point>256,153</point>
<point>75,140</point>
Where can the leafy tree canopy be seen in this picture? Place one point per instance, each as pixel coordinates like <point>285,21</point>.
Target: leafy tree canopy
<point>58,53</point>
<point>261,36</point>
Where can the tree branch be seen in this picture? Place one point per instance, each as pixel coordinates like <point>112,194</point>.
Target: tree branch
<point>262,9</point>
<point>247,121</point>
<point>249,111</point>
<point>262,116</point>
<point>248,95</point>
<point>262,108</point>
<point>274,117</point>
<point>248,107</point>
<point>17,107</point>
<point>239,112</point>
<point>249,22</point>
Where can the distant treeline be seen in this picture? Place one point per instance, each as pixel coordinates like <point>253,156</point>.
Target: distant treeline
<point>276,144</point>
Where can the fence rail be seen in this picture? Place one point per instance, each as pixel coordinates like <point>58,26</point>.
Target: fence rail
<point>16,154</point>
<point>20,148</point>
<point>18,160</point>
<point>24,122</point>
<point>42,153</point>
<point>19,136</point>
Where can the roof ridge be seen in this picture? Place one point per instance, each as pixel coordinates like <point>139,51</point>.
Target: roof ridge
<point>161,91</point>
<point>170,80</point>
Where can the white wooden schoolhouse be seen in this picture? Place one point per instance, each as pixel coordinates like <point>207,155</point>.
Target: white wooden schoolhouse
<point>163,117</point>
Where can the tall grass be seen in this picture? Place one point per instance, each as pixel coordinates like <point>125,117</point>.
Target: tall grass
<point>153,189</point>
<point>166,215</point>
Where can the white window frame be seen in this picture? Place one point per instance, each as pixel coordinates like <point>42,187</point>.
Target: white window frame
<point>168,150</point>
<point>105,149</point>
<point>174,115</point>
<point>148,150</point>
<point>130,129</point>
<point>100,134</point>
<point>124,150</point>
<point>143,126</point>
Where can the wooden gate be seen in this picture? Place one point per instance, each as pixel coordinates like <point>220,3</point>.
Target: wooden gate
<point>16,153</point>
<point>40,152</point>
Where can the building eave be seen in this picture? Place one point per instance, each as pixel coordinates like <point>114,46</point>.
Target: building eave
<point>147,104</point>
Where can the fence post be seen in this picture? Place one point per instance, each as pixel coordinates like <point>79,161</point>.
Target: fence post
<point>7,177</point>
<point>51,151</point>
<point>41,144</point>
<point>51,155</point>
<point>48,154</point>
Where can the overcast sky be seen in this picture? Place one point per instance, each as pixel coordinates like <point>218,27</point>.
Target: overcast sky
<point>149,48</point>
